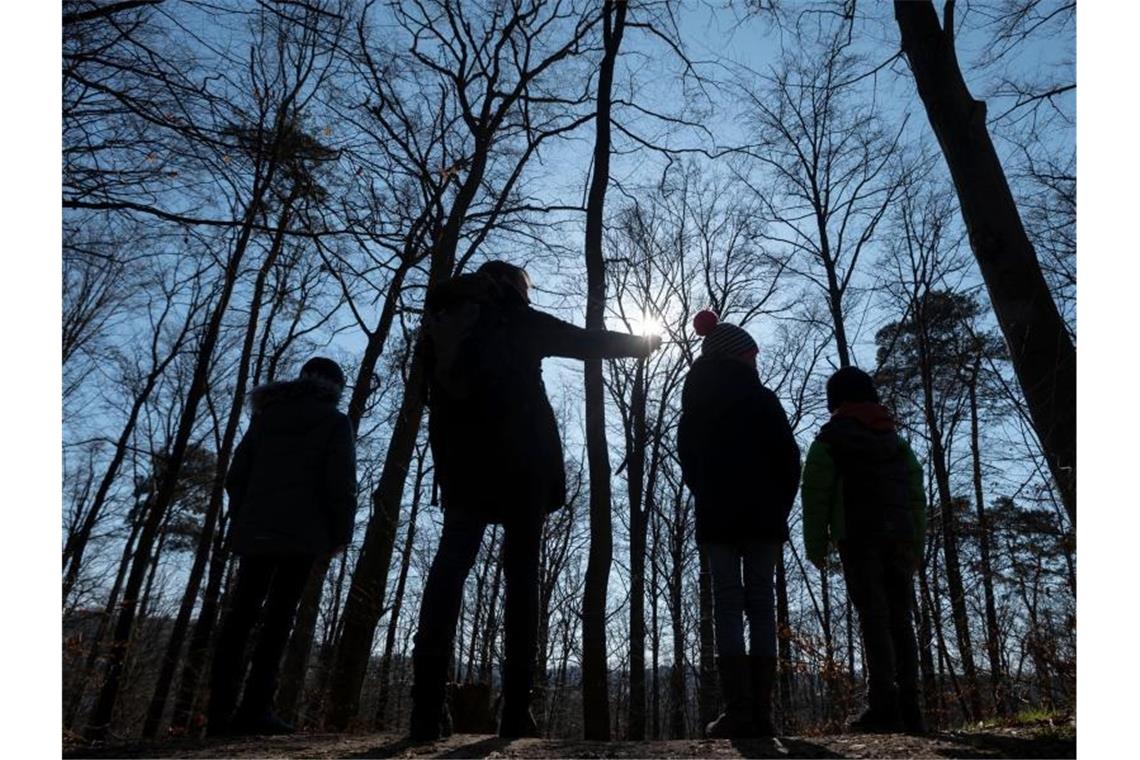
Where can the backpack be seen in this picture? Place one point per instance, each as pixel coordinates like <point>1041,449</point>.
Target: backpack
<point>874,472</point>
<point>466,329</point>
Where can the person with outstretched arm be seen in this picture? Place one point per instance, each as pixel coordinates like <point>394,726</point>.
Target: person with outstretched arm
<point>862,491</point>
<point>498,460</point>
<point>740,460</point>
<point>292,497</point>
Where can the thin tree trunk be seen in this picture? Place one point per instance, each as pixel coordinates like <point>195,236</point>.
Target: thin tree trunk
<point>707,693</point>
<point>655,634</point>
<point>380,721</point>
<point>784,642</point>
<point>477,613</point>
<point>595,684</point>
<point>92,660</point>
<point>295,664</point>
<point>1041,350</point>
<point>77,542</point>
<point>637,527</point>
<point>954,584</point>
<point>925,657</point>
<point>993,638</point>
<point>198,651</point>
<point>490,629</point>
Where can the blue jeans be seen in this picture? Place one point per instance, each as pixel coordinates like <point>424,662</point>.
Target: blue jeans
<point>734,598</point>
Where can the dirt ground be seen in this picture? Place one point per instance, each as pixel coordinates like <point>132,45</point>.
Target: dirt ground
<point>991,743</point>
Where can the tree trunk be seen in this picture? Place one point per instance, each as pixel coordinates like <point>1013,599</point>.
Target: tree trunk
<point>784,642</point>
<point>72,713</point>
<point>379,723</point>
<point>77,542</point>
<point>295,665</point>
<point>925,657</point>
<point>655,638</point>
<point>1041,350</point>
<point>365,601</point>
<point>954,585</point>
<point>197,653</point>
<point>490,628</point>
<point>993,637</point>
<point>595,686</point>
<point>637,528</point>
<point>707,693</point>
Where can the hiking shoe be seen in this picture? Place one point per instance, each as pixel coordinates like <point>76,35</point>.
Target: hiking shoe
<point>874,722</point>
<point>264,723</point>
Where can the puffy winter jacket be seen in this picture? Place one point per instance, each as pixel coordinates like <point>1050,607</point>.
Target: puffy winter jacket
<point>738,454</point>
<point>292,483</point>
<point>861,482</point>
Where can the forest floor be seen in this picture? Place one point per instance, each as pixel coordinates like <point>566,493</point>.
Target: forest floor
<point>1021,741</point>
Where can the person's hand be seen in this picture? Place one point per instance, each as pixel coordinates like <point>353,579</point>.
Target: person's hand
<point>652,343</point>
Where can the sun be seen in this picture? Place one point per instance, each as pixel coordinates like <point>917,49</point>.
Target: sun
<point>647,324</point>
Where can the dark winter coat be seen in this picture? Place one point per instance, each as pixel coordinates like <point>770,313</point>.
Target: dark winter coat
<point>292,484</point>
<point>862,483</point>
<point>493,434</point>
<point>738,454</point>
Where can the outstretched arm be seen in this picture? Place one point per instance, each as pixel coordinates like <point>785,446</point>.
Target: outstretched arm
<point>553,337</point>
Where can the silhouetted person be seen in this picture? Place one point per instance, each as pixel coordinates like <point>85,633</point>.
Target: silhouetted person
<point>292,489</point>
<point>498,459</point>
<point>740,460</point>
<point>863,490</point>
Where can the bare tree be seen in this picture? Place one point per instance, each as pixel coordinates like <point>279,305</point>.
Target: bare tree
<point>1042,353</point>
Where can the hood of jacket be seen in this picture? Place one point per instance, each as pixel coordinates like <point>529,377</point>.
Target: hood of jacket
<point>863,429</point>
<point>294,407</point>
<point>304,389</point>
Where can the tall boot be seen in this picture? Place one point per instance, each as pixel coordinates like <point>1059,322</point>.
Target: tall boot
<point>736,686</point>
<point>430,718</point>
<point>882,715</point>
<point>763,672</point>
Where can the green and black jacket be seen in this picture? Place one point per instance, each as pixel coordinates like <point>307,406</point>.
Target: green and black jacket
<point>861,482</point>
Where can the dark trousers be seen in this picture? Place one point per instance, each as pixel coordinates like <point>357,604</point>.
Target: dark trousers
<point>880,581</point>
<point>268,590</point>
<point>443,595</point>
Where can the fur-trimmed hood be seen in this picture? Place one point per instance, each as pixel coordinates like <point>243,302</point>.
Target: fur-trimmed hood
<point>305,388</point>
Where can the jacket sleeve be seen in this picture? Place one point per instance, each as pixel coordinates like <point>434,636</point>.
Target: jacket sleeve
<point>917,501</point>
<point>237,478</point>
<point>554,337</point>
<point>687,453</point>
<point>340,483</point>
<point>818,494</point>
<point>784,450</point>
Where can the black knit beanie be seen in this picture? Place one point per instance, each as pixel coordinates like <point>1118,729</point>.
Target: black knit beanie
<point>722,338</point>
<point>326,369</point>
<point>850,385</point>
